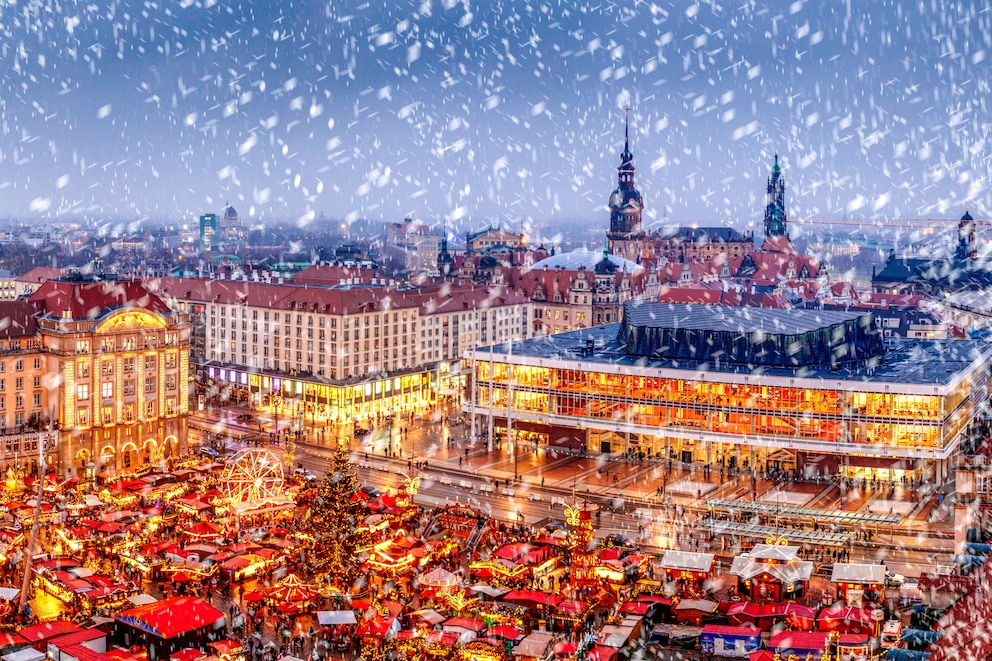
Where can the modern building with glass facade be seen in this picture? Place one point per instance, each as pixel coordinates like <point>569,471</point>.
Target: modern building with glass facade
<point>806,390</point>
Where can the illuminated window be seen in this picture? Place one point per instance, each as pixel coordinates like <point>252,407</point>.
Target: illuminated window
<point>83,392</point>
<point>107,389</point>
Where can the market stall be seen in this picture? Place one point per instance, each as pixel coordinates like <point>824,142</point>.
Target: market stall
<point>804,644</point>
<point>694,611</point>
<point>169,625</point>
<point>691,569</point>
<point>735,642</point>
<point>862,579</point>
<point>845,620</point>
<point>770,573</point>
<point>766,616</point>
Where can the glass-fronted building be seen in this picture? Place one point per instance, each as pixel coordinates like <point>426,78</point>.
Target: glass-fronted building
<point>807,390</point>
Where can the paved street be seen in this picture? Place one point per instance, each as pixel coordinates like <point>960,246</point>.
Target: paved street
<point>462,470</point>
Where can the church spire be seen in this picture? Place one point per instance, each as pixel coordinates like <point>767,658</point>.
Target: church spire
<point>445,261</point>
<point>626,158</point>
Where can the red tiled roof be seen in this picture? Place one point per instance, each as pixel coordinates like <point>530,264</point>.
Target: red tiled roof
<point>798,640</point>
<point>83,653</point>
<point>40,274</point>
<point>40,632</point>
<point>8,639</point>
<point>780,244</point>
<point>19,318</point>
<point>92,300</point>
<point>761,655</point>
<point>454,298</point>
<point>76,638</point>
<point>469,623</point>
<point>280,297</point>
<point>840,612</point>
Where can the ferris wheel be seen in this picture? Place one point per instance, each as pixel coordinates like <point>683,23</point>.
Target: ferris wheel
<point>253,474</point>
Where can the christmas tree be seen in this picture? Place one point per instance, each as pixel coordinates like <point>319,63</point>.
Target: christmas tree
<point>335,519</point>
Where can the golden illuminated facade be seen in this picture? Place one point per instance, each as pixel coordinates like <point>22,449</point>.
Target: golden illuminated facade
<point>308,399</point>
<point>123,361</point>
<point>867,425</point>
<point>339,354</point>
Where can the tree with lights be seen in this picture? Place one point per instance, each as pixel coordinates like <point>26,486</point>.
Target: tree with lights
<point>337,516</point>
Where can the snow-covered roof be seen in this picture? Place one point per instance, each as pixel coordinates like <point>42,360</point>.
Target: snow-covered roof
<point>857,573</point>
<point>583,257</point>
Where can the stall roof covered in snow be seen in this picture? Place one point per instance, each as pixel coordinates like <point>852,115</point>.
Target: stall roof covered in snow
<point>846,572</point>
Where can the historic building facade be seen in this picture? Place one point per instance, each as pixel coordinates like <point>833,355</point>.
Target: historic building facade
<point>94,375</point>
<point>962,270</point>
<point>123,358</point>
<point>340,353</point>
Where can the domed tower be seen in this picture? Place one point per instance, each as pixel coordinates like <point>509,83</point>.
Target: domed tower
<point>967,247</point>
<point>605,302</point>
<point>776,222</point>
<point>231,230</point>
<point>626,204</point>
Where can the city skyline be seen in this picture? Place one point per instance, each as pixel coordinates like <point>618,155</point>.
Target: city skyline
<point>511,114</point>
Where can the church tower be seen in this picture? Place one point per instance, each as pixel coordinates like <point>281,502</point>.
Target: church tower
<point>626,204</point>
<point>776,222</point>
<point>967,247</point>
<point>445,262</point>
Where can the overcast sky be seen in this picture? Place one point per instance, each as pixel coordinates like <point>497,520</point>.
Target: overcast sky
<point>509,111</point>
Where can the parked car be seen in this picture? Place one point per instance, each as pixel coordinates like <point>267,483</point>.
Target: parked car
<point>304,474</point>
<point>893,580</point>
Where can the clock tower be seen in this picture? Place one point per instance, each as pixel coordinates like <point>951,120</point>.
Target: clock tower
<point>625,234</point>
